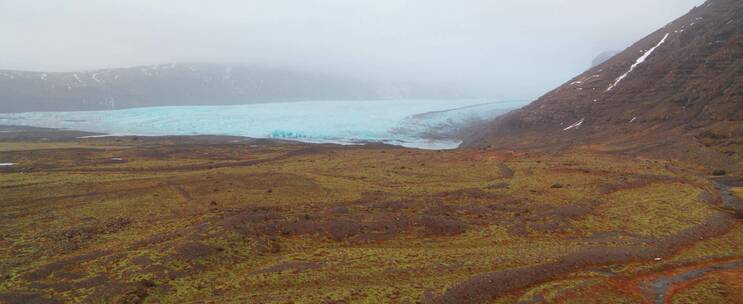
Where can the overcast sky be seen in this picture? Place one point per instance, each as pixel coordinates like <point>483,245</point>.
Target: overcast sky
<point>498,48</point>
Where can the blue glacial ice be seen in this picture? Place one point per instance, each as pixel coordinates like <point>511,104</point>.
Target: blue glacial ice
<point>426,124</point>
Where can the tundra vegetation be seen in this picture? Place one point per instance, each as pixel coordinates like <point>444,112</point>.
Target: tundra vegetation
<point>217,219</point>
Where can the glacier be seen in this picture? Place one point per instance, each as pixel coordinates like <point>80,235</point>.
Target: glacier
<point>424,124</point>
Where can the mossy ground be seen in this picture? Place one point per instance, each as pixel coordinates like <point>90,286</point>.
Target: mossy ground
<point>272,222</point>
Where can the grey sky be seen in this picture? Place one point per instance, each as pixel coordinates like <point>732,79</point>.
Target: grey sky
<point>499,48</point>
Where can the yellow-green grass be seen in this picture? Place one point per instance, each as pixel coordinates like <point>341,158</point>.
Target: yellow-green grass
<point>738,192</point>
<point>654,211</point>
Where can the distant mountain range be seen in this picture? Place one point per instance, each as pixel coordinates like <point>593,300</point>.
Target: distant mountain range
<point>677,93</point>
<point>603,57</point>
<point>189,84</point>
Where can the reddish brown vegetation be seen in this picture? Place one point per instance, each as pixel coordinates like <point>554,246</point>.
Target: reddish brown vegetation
<point>485,287</point>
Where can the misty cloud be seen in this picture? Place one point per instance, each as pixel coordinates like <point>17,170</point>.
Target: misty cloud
<point>499,49</point>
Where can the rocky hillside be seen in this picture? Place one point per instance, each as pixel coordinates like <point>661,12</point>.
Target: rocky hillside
<point>676,93</point>
<point>186,84</point>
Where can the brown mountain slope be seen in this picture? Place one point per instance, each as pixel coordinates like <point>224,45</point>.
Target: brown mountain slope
<point>676,93</point>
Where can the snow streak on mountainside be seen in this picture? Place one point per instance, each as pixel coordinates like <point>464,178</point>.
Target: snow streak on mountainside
<point>638,62</point>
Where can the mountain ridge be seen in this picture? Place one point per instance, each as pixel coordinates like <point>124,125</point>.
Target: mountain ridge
<point>603,57</point>
<point>189,84</point>
<point>676,93</point>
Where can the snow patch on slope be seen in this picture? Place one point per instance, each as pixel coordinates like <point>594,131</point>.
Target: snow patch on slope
<point>585,79</point>
<point>638,62</point>
<point>576,125</point>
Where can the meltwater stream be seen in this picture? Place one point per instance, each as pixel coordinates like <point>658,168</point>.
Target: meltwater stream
<point>409,123</point>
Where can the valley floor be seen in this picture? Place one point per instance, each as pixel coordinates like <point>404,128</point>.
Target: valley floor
<point>232,220</point>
